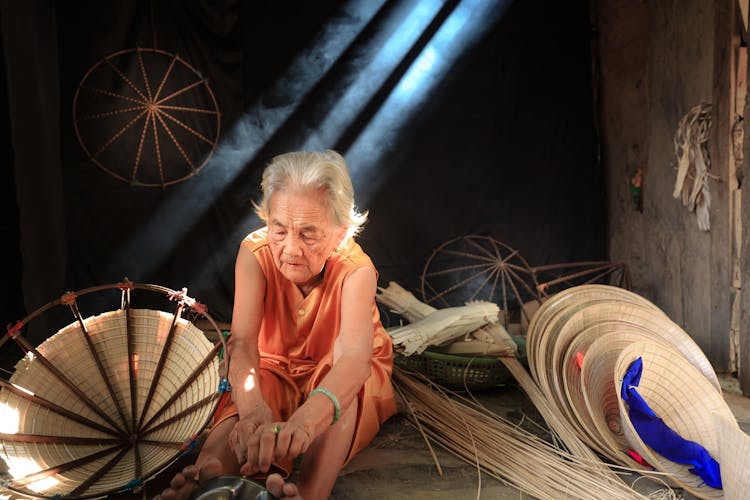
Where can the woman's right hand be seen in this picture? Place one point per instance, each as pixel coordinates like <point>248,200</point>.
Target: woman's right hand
<point>245,427</point>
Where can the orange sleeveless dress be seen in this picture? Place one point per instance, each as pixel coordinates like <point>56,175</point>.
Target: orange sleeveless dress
<point>297,336</point>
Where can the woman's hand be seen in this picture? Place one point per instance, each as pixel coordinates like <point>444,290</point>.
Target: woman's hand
<point>245,428</point>
<point>274,442</point>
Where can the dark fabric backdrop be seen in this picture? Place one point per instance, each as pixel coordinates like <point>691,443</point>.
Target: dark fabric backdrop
<point>503,146</point>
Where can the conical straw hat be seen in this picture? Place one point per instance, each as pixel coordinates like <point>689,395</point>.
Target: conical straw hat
<point>682,397</point>
<point>659,324</point>
<point>600,407</point>
<point>552,308</point>
<point>734,458</point>
<point>103,405</point>
<point>578,316</point>
<point>538,321</point>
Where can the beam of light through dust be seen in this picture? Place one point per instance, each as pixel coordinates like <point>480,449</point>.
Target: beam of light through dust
<point>466,25</point>
<point>461,30</point>
<point>148,247</point>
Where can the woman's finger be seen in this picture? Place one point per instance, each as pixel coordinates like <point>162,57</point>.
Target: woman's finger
<point>267,446</point>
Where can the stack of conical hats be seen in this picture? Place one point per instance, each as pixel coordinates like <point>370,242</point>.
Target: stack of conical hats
<point>580,343</point>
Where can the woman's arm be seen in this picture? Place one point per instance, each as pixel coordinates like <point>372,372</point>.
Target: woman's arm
<point>352,354</point>
<point>352,358</point>
<point>244,357</point>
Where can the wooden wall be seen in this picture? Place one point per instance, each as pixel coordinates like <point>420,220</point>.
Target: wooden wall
<point>654,61</point>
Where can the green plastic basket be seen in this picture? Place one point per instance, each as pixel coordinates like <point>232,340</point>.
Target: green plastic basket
<point>475,373</point>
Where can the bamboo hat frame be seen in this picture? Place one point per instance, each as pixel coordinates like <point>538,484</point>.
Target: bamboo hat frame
<point>110,400</point>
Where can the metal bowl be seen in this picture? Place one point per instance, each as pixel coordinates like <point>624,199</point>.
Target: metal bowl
<point>231,487</point>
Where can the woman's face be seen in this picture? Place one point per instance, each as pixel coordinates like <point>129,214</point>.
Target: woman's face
<point>301,234</point>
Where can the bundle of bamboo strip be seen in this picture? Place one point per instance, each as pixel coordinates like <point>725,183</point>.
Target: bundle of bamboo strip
<point>491,337</point>
<point>400,299</point>
<point>442,326</point>
<point>503,450</point>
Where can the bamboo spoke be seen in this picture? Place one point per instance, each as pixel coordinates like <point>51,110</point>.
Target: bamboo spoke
<point>492,255</point>
<point>157,148</point>
<point>165,77</point>
<point>86,484</point>
<point>178,416</point>
<point>140,102</point>
<point>454,270</point>
<point>176,143</point>
<point>109,114</point>
<point>186,127</point>
<point>99,365</point>
<point>57,469</point>
<point>68,383</point>
<point>68,440</point>
<point>156,379</point>
<point>118,134</point>
<point>144,73</point>
<point>190,379</point>
<point>180,91</point>
<point>519,279</point>
<point>44,403</point>
<point>189,109</point>
<point>455,286</point>
<point>125,79</point>
<point>130,335</point>
<point>460,253</point>
<point>141,141</point>
<point>484,283</point>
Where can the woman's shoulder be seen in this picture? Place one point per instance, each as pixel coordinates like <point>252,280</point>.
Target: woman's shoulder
<point>352,255</point>
<point>256,240</point>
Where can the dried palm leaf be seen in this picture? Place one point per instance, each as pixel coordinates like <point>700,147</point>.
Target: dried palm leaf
<point>442,326</point>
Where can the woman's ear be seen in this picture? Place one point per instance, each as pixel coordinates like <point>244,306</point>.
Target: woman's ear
<point>341,234</point>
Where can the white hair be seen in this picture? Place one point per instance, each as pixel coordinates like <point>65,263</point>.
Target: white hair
<point>325,171</point>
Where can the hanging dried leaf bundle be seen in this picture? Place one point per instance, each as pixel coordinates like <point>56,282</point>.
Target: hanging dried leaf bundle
<point>694,163</point>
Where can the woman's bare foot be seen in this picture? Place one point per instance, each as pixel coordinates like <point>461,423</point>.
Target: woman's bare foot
<point>185,483</point>
<point>277,487</point>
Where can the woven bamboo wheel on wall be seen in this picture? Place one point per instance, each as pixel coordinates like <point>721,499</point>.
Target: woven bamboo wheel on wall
<point>475,267</point>
<point>110,400</point>
<point>146,117</point>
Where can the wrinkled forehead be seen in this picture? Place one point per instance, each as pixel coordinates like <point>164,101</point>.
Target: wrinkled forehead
<point>300,206</point>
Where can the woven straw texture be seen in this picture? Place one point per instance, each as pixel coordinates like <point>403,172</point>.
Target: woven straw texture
<point>560,300</point>
<point>682,397</point>
<point>734,458</point>
<point>580,307</point>
<point>599,392</point>
<point>114,441</point>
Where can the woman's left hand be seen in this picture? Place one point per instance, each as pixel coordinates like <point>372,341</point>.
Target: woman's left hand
<point>275,442</point>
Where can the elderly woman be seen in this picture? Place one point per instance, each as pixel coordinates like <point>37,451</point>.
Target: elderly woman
<point>310,362</point>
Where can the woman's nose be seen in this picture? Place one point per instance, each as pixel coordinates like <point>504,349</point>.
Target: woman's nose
<point>293,245</point>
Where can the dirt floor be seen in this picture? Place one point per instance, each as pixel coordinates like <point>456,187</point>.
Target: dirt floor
<point>398,463</point>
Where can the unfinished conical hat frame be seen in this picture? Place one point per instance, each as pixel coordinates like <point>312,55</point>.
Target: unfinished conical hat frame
<point>682,397</point>
<point>561,300</point>
<point>599,393</point>
<point>734,458</point>
<point>108,401</point>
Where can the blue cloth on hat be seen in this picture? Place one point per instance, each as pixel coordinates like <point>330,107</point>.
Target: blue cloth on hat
<point>660,437</point>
